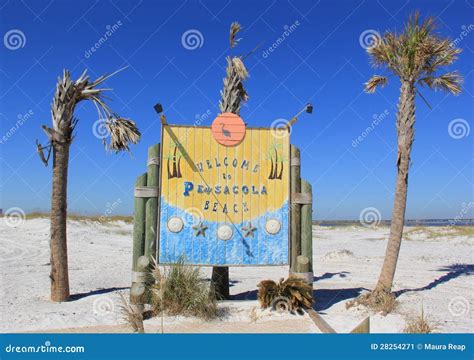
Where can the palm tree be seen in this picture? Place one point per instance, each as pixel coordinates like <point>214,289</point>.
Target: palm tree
<point>122,133</point>
<point>416,56</point>
<point>232,95</point>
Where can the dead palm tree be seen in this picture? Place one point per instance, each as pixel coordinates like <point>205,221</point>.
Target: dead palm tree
<point>416,56</point>
<point>232,95</point>
<point>122,133</point>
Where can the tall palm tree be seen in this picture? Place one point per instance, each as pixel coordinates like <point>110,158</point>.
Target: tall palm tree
<point>122,133</point>
<point>416,57</point>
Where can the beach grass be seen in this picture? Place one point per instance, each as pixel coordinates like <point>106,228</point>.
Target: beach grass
<point>104,219</point>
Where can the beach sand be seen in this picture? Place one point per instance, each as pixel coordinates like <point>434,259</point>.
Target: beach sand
<point>434,272</point>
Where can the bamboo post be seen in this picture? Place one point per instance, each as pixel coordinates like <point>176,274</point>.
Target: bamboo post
<point>295,209</point>
<point>138,229</point>
<point>139,278</point>
<point>151,208</point>
<point>307,225</point>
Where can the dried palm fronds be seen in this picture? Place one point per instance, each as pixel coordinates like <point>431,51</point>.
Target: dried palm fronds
<point>234,29</point>
<point>122,133</point>
<point>373,82</point>
<point>69,93</point>
<point>234,92</point>
<point>378,300</point>
<point>298,292</point>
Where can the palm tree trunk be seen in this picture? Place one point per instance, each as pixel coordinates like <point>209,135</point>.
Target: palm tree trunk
<point>59,264</point>
<point>405,132</point>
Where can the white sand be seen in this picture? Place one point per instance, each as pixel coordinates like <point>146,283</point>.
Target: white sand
<point>437,270</point>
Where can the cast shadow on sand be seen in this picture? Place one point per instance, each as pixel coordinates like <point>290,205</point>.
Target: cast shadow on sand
<point>325,298</point>
<point>452,272</point>
<point>79,296</point>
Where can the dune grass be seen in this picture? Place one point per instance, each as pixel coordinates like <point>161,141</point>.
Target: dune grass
<point>439,232</point>
<point>420,324</point>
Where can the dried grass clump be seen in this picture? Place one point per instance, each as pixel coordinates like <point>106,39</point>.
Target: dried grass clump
<point>378,300</point>
<point>298,292</point>
<point>132,316</point>
<point>181,290</point>
<point>420,324</point>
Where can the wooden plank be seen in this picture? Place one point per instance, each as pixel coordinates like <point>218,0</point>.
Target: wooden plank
<point>363,327</point>
<point>295,216</point>
<point>307,225</point>
<point>151,208</point>
<point>320,322</point>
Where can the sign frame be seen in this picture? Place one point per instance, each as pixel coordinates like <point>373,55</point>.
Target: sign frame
<point>168,128</point>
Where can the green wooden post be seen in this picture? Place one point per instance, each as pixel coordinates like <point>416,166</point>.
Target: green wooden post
<point>307,225</point>
<point>295,209</point>
<point>139,223</point>
<point>151,217</point>
<point>138,228</point>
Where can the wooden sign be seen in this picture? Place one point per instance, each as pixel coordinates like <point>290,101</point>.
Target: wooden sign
<point>221,204</point>
<point>228,129</point>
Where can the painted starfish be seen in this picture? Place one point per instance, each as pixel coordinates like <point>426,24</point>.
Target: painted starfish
<point>249,230</point>
<point>200,229</point>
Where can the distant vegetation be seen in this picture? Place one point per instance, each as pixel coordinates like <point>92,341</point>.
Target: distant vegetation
<point>80,217</point>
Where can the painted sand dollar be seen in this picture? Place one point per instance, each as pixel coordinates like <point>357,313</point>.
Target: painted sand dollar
<point>228,129</point>
<point>273,226</point>
<point>224,232</point>
<point>175,224</point>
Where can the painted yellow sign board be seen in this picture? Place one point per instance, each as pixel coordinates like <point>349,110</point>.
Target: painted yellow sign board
<point>224,205</point>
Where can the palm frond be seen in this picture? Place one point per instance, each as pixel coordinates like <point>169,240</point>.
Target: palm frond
<point>371,85</point>
<point>69,93</point>
<point>123,132</point>
<point>233,93</point>
<point>234,29</point>
<point>449,82</point>
<point>418,51</point>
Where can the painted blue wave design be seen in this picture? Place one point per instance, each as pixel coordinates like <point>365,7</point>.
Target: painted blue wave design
<point>262,249</point>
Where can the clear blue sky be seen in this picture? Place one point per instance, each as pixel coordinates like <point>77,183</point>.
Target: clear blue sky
<point>321,61</point>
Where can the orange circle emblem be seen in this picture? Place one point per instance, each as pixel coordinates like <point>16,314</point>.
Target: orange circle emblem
<point>228,129</point>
